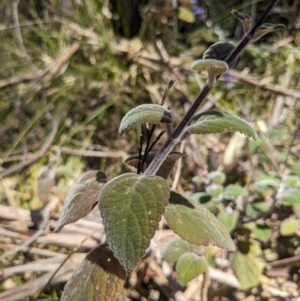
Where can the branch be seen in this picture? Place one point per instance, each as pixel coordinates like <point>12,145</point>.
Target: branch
<point>171,142</point>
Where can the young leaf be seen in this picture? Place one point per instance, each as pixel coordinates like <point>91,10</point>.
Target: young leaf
<point>82,198</point>
<point>145,113</point>
<point>215,121</point>
<point>174,249</point>
<point>131,207</point>
<point>290,197</point>
<point>195,224</point>
<point>165,168</point>
<point>217,177</point>
<point>229,220</point>
<point>189,266</point>
<point>289,226</point>
<point>246,269</point>
<point>232,191</point>
<point>99,277</point>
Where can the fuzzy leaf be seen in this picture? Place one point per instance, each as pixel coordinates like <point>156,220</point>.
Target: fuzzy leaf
<point>232,191</point>
<point>215,121</point>
<point>131,207</point>
<point>82,198</point>
<point>246,269</point>
<point>290,197</point>
<point>174,249</point>
<point>289,226</point>
<point>145,113</point>
<point>189,266</point>
<point>229,220</point>
<point>165,168</point>
<point>195,224</point>
<point>217,177</point>
<point>99,277</point>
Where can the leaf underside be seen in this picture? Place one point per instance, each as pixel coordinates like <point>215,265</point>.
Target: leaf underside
<point>131,207</point>
<point>82,198</point>
<point>99,277</point>
<point>145,113</point>
<point>195,224</point>
<point>215,121</point>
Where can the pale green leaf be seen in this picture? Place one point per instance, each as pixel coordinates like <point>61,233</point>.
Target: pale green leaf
<point>99,277</point>
<point>186,15</point>
<point>145,113</point>
<point>289,226</point>
<point>174,249</point>
<point>229,220</point>
<point>195,224</point>
<point>246,269</point>
<point>82,198</point>
<point>189,266</point>
<point>232,191</point>
<point>290,181</point>
<point>214,190</point>
<point>131,207</point>
<point>215,121</point>
<point>218,177</point>
<point>290,197</point>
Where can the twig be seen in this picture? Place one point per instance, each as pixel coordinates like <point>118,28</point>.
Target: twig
<point>179,166</point>
<point>36,155</point>
<point>172,141</point>
<point>46,216</point>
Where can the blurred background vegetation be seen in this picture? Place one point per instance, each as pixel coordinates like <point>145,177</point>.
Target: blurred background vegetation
<point>71,69</point>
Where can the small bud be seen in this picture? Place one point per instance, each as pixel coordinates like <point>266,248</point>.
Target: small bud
<point>219,51</point>
<point>213,68</point>
<point>244,19</point>
<point>266,28</point>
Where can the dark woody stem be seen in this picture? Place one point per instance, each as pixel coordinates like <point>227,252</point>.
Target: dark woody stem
<point>175,138</point>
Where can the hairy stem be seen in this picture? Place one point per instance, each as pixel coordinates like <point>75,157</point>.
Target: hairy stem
<point>172,141</point>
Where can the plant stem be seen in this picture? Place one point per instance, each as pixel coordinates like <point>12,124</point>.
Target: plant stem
<point>172,141</point>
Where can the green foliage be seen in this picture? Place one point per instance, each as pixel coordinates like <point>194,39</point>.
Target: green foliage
<point>189,266</point>
<point>218,122</point>
<point>104,277</point>
<point>183,215</point>
<point>131,207</point>
<point>146,113</point>
<point>84,60</point>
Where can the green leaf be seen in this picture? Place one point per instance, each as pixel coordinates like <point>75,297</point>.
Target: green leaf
<point>232,191</point>
<point>201,197</point>
<point>99,277</point>
<point>189,266</point>
<point>256,207</point>
<point>229,220</point>
<point>290,197</point>
<point>145,113</point>
<point>262,232</point>
<point>174,249</point>
<point>195,224</point>
<point>289,227</point>
<point>218,177</point>
<point>82,198</point>
<point>295,169</point>
<point>131,207</point>
<point>215,121</point>
<point>246,269</point>
<point>186,15</point>
<point>165,168</point>
<point>266,183</point>
<point>214,190</point>
<point>291,181</point>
